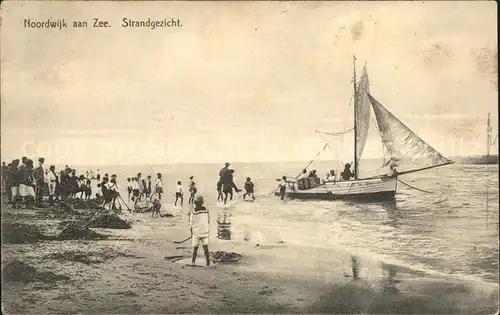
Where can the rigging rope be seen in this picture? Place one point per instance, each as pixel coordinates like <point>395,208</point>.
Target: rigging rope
<point>342,138</point>
<point>422,190</point>
<point>334,133</point>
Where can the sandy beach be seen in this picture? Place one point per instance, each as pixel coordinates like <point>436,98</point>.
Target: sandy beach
<point>141,270</point>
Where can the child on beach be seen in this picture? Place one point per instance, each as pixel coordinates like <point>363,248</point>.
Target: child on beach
<point>249,188</point>
<point>135,190</point>
<point>192,190</point>
<point>88,189</point>
<point>129,188</point>
<point>199,222</point>
<point>148,187</point>
<point>159,185</point>
<point>220,197</point>
<point>179,193</point>
<point>155,199</point>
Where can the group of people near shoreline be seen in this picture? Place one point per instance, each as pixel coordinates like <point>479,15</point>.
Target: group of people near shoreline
<point>25,183</point>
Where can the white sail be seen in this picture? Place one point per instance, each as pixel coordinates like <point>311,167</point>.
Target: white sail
<point>362,113</point>
<point>402,145</point>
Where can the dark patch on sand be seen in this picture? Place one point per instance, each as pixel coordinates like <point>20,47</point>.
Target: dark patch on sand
<point>18,233</point>
<point>74,231</point>
<point>225,257</point>
<point>85,204</point>
<point>174,258</point>
<point>106,220</point>
<point>87,257</point>
<point>17,271</point>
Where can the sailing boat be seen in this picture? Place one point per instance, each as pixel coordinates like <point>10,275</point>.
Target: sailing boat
<point>400,144</point>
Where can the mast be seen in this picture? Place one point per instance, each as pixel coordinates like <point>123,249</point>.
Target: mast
<point>355,118</point>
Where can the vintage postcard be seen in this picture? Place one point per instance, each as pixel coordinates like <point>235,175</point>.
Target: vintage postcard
<point>241,157</point>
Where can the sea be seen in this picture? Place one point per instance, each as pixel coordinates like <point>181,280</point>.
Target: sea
<point>449,227</point>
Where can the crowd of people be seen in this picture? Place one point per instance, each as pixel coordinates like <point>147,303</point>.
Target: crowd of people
<point>27,184</point>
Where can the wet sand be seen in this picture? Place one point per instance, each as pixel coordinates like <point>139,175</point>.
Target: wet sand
<point>141,270</point>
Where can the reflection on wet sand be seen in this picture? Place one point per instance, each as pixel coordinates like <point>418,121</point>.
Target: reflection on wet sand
<point>355,267</point>
<point>389,280</point>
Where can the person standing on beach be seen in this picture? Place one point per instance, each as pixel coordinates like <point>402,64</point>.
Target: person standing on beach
<point>148,186</point>
<point>199,225</point>
<point>27,183</point>
<point>192,190</point>
<point>138,179</point>
<point>155,200</point>
<point>13,181</point>
<point>135,190</point>
<point>98,176</point>
<point>39,176</point>
<point>159,184</point>
<point>53,183</point>
<point>179,193</point>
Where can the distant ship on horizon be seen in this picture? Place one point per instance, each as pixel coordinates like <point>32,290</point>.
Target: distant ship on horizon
<point>483,159</point>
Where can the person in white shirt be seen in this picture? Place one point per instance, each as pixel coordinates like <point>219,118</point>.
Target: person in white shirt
<point>179,194</point>
<point>135,190</point>
<point>159,185</point>
<point>199,224</point>
<point>52,180</point>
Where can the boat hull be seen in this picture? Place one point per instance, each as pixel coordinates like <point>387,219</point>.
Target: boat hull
<point>372,190</point>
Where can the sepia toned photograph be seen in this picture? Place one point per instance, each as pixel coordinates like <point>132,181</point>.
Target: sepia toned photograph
<point>244,157</point>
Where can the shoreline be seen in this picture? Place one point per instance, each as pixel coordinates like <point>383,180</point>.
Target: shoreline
<point>274,277</point>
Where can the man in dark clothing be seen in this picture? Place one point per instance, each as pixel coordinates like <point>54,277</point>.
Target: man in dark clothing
<point>39,175</point>
<point>223,173</point>
<point>148,187</point>
<point>313,174</point>
<point>72,184</point>
<point>13,182</point>
<point>347,174</point>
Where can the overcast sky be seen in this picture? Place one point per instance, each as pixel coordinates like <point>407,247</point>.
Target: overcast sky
<point>240,81</point>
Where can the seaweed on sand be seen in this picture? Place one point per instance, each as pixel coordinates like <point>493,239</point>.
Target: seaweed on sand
<point>225,257</point>
<point>75,230</point>
<point>107,220</point>
<point>20,272</point>
<point>86,257</point>
<point>18,233</point>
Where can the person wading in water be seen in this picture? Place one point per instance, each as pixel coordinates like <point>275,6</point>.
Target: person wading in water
<point>192,190</point>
